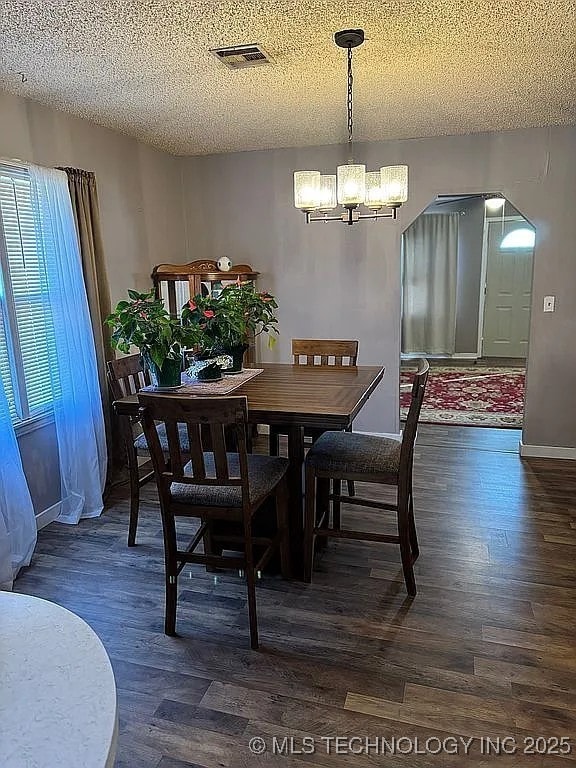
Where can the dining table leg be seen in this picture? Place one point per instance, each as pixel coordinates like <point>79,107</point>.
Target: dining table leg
<point>296,498</point>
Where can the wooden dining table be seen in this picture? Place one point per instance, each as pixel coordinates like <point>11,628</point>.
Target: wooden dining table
<point>296,397</point>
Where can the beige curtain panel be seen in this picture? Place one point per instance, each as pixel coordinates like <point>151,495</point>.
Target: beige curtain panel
<point>84,196</point>
<point>82,186</point>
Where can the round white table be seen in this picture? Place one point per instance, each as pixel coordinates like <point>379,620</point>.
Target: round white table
<point>57,690</point>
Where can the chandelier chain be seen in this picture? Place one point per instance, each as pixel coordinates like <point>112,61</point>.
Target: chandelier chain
<point>350,84</point>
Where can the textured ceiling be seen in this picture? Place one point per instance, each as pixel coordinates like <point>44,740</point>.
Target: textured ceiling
<point>427,68</point>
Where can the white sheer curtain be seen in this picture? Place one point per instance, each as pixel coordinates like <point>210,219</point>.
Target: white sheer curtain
<point>430,265</point>
<point>17,521</point>
<point>77,404</point>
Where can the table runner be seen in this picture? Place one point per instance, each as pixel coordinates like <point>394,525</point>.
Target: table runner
<point>224,386</point>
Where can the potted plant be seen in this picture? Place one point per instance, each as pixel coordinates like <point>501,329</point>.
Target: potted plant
<point>143,322</point>
<point>229,321</point>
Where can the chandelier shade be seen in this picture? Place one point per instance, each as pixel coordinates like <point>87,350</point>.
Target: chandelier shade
<point>327,192</point>
<point>306,190</point>
<point>352,186</point>
<point>374,198</point>
<point>394,181</point>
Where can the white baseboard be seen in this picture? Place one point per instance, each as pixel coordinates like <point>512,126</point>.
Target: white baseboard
<point>465,356</point>
<point>547,452</point>
<point>48,516</point>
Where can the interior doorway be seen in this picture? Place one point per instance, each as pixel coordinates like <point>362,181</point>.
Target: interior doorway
<point>467,264</point>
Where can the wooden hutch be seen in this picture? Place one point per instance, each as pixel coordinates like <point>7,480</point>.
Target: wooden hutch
<point>178,283</point>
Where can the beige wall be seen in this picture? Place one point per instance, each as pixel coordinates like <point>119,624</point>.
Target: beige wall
<point>139,187</point>
<point>331,280</point>
<point>338,281</point>
<point>142,221</point>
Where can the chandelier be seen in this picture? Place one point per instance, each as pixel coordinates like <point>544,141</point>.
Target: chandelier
<point>351,186</point>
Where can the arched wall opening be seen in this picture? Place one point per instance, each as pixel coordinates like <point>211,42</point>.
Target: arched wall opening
<point>466,295</point>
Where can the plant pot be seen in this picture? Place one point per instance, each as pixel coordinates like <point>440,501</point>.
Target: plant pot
<point>237,354</point>
<point>166,375</point>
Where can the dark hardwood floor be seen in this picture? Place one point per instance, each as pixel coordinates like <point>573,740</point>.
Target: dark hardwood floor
<point>487,648</point>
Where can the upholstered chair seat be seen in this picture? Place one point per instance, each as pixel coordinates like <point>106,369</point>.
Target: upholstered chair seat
<point>142,446</point>
<point>264,474</point>
<point>353,453</point>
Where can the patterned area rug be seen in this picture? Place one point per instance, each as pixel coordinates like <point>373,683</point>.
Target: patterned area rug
<point>476,396</point>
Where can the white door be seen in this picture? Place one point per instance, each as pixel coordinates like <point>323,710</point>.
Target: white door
<point>510,251</point>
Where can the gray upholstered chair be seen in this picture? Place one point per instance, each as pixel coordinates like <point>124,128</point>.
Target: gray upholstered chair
<point>214,486</point>
<point>337,456</point>
<point>126,376</point>
<point>317,352</point>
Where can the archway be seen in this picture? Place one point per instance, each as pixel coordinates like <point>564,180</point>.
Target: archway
<point>467,264</point>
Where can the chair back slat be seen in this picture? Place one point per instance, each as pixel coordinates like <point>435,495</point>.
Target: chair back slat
<point>174,447</point>
<point>216,413</point>
<point>196,454</point>
<point>219,450</point>
<point>324,351</point>
<point>136,382</point>
<point>126,376</point>
<point>411,426</point>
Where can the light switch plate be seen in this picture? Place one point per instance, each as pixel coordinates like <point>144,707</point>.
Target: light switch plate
<point>549,303</point>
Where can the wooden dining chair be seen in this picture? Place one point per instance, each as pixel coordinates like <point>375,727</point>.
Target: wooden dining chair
<point>126,376</point>
<point>213,486</point>
<point>338,456</point>
<point>317,352</point>
<point>324,352</point>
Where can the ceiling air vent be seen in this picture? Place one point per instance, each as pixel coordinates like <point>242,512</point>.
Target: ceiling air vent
<point>239,56</point>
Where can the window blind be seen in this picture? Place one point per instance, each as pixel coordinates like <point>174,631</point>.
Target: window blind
<point>5,364</point>
<point>27,335</point>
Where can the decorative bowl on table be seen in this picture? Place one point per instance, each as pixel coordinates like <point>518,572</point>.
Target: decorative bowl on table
<point>208,368</point>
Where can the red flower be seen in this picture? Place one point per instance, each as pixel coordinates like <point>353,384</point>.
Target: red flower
<point>191,304</point>
<point>266,298</point>
<point>208,313</point>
